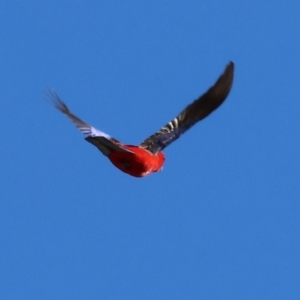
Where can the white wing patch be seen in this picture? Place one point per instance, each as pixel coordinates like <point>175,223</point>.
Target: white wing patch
<point>101,140</point>
<point>88,130</point>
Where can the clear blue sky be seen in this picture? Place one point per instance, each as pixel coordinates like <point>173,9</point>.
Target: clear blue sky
<point>222,219</point>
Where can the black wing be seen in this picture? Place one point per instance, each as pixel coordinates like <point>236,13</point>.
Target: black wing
<point>101,140</point>
<point>193,113</point>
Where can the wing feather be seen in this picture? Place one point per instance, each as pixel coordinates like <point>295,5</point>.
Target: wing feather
<point>101,140</point>
<point>193,113</point>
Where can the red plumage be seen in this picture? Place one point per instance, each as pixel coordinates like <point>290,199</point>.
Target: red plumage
<point>139,163</point>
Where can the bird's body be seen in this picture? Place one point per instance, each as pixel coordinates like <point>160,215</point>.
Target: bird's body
<point>147,158</point>
<point>139,163</point>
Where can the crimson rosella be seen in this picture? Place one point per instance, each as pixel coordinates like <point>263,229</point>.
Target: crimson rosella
<point>148,157</point>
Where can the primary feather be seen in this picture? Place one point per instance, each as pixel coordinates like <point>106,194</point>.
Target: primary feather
<point>101,140</point>
<point>193,113</point>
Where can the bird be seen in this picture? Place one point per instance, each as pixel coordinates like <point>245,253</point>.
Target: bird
<point>147,158</point>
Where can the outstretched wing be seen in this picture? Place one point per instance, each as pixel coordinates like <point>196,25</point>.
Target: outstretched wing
<point>193,113</point>
<point>101,140</point>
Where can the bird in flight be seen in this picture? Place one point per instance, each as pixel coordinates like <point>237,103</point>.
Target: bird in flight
<point>147,158</point>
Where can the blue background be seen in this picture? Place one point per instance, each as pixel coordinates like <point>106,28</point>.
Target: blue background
<point>222,219</point>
